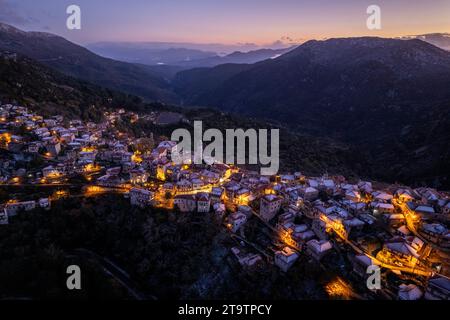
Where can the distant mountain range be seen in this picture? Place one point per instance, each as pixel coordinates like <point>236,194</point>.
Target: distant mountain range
<point>71,59</point>
<point>236,57</point>
<point>158,54</point>
<point>138,53</point>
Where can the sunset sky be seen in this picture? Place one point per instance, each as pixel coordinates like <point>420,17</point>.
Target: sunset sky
<point>226,21</point>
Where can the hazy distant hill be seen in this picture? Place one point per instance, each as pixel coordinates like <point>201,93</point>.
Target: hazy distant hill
<point>79,62</point>
<point>389,97</point>
<point>176,55</point>
<point>138,53</point>
<point>237,57</point>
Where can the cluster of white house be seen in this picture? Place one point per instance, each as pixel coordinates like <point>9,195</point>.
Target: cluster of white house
<point>298,207</point>
<point>292,205</point>
<point>12,208</point>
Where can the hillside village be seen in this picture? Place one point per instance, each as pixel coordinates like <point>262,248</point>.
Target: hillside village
<point>401,229</point>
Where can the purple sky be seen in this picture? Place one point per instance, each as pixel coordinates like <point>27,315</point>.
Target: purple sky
<point>226,21</point>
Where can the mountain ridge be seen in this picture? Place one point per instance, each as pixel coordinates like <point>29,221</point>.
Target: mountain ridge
<point>364,91</point>
<point>77,61</point>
